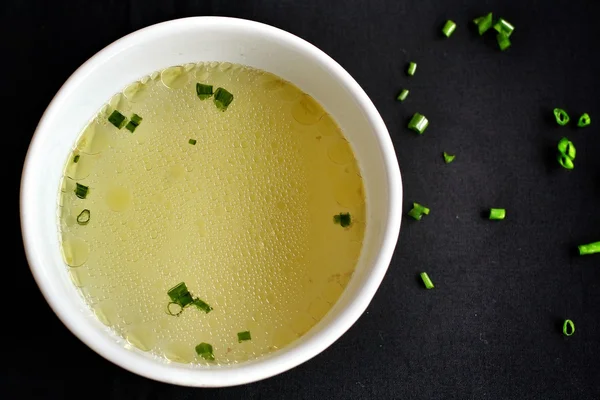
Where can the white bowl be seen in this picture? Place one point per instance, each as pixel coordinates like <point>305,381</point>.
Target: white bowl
<point>192,40</point>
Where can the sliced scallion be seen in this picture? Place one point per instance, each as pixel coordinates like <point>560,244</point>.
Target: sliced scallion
<point>117,119</point>
<point>81,191</point>
<point>448,158</point>
<point>402,95</point>
<point>174,309</point>
<point>565,161</point>
<point>412,68</point>
<point>503,41</point>
<point>418,211</point>
<point>449,28</point>
<point>192,142</point>
<point>180,295</point>
<point>204,91</point>
<point>584,120</point>
<point>84,217</point>
<point>243,336</point>
<point>568,328</point>
<point>76,159</point>
<point>484,23</point>
<point>503,26</point>
<point>418,123</point>
<point>205,351</point>
<point>202,305</point>
<point>561,116</point>
<point>222,99</point>
<point>566,147</point>
<point>497,213</point>
<point>587,249</point>
<point>426,280</point>
<point>343,219</point>
<point>135,121</point>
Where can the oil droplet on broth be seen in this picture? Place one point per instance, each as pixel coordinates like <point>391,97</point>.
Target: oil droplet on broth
<point>216,216</point>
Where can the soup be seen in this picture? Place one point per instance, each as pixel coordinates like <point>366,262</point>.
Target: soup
<point>211,213</point>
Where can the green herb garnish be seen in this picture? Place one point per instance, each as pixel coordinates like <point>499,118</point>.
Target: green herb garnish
<point>222,99</point>
<point>136,120</point>
<point>402,95</point>
<point>76,159</point>
<point>418,123</point>
<point>192,142</point>
<point>448,158</point>
<point>584,120</point>
<point>180,295</point>
<point>204,91</point>
<point>343,219</point>
<point>568,328</point>
<point>205,351</point>
<point>202,305</point>
<point>426,280</point>
<point>503,41</point>
<point>243,336</point>
<point>561,116</point>
<point>587,249</point>
<point>117,119</point>
<point>449,28</point>
<point>81,191</point>
<point>504,27</point>
<point>412,68</point>
<point>483,23</point>
<point>418,211</point>
<point>497,213</point>
<point>566,153</point>
<point>84,217</point>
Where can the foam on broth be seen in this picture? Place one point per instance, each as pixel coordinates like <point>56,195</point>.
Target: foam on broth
<point>244,217</point>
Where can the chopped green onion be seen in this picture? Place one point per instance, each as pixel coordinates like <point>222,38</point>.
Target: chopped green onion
<point>117,119</point>
<point>448,158</point>
<point>584,120</point>
<point>84,217</point>
<point>192,142</point>
<point>342,219</point>
<point>412,68</point>
<point>81,191</point>
<point>403,95</point>
<point>418,123</point>
<point>562,118</point>
<point>426,280</point>
<point>222,99</point>
<point>503,26</point>
<point>449,28</point>
<point>483,23</point>
<point>202,305</point>
<point>565,161</point>
<point>170,310</point>
<point>566,147</point>
<point>180,295</point>
<point>568,328</point>
<point>76,159</point>
<point>243,336</point>
<point>503,41</point>
<point>497,213</point>
<point>136,120</point>
<point>205,351</point>
<point>587,249</point>
<point>204,91</point>
<point>418,211</point>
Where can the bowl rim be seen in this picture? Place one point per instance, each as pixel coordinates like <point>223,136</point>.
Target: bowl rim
<point>278,362</point>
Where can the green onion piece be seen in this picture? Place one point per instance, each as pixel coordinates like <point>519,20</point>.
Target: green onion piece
<point>566,147</point>
<point>84,217</point>
<point>565,161</point>
<point>418,211</point>
<point>483,23</point>
<point>426,280</point>
<point>117,119</point>
<point>497,213</point>
<point>180,295</point>
<point>76,159</point>
<point>449,28</point>
<point>81,191</point>
<point>342,219</point>
<point>192,142</point>
<point>584,120</point>
<point>418,123</point>
<point>568,328</point>
<point>170,310</point>
<point>243,336</point>
<point>204,91</point>
<point>402,95</point>
<point>503,41</point>
<point>205,351</point>
<point>448,158</point>
<point>136,120</point>
<point>222,99</point>
<point>412,68</point>
<point>503,26</point>
<point>202,305</point>
<point>587,249</point>
<point>131,126</point>
<point>562,118</point>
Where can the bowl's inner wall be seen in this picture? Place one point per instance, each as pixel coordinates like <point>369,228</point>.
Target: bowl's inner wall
<point>138,55</point>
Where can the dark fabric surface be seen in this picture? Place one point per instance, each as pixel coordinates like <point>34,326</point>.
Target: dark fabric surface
<point>490,328</point>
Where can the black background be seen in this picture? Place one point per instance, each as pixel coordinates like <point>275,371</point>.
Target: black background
<point>490,329</point>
